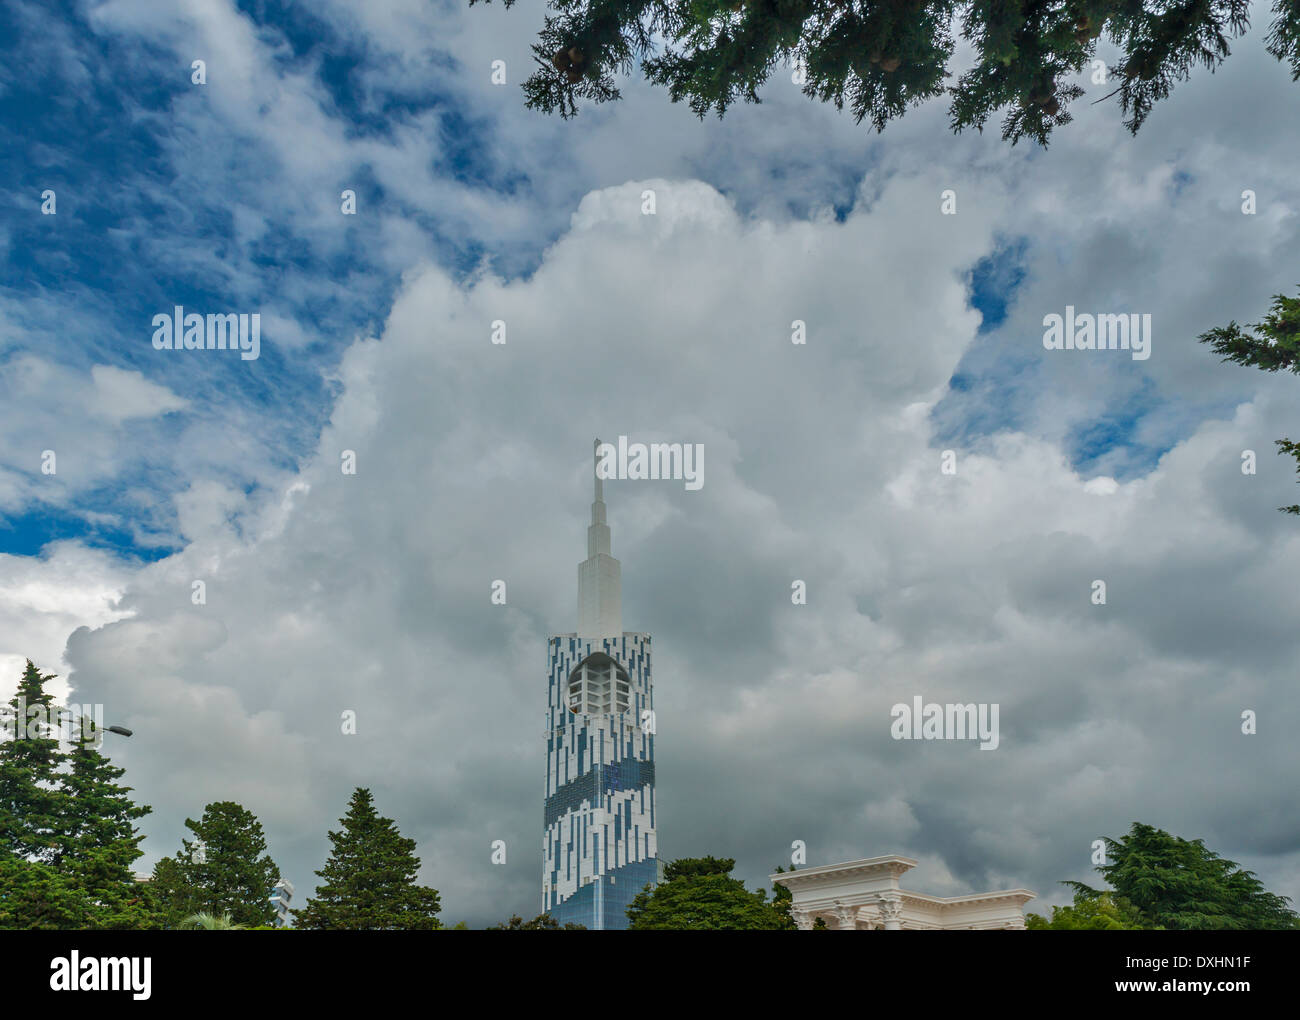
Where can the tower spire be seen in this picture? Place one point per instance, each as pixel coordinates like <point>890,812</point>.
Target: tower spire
<point>600,582</point>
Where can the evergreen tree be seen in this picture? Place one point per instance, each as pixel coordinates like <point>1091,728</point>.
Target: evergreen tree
<point>698,893</point>
<point>881,56</point>
<point>98,840</point>
<point>175,900</point>
<point>368,883</point>
<point>38,897</point>
<point>32,804</point>
<point>1179,884</point>
<point>66,835</point>
<point>224,870</point>
<point>1276,348</point>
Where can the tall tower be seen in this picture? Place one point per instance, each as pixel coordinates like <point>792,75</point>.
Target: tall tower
<point>599,847</point>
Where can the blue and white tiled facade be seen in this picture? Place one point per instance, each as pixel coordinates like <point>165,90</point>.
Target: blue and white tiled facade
<point>599,849</point>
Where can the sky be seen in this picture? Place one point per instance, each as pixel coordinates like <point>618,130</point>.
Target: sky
<point>371,592</point>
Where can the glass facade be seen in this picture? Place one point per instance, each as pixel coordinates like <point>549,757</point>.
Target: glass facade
<point>599,844</point>
<point>620,887</point>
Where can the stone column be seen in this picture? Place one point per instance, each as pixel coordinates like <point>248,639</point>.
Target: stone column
<point>891,910</point>
<point>803,919</point>
<point>847,917</point>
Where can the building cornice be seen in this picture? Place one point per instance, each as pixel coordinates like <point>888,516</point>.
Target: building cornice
<point>876,867</point>
<point>1003,895</point>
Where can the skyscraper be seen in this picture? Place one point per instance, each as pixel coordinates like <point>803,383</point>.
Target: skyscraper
<point>599,847</point>
<point>281,897</point>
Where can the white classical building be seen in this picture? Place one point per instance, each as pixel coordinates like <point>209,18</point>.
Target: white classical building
<point>865,894</point>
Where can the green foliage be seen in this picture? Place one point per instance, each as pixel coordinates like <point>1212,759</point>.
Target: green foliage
<point>1290,449</point>
<point>225,869</point>
<point>542,922</point>
<point>211,922</point>
<point>699,894</point>
<point>1283,39</point>
<point>696,867</point>
<point>33,807</point>
<point>67,833</point>
<point>1090,912</point>
<point>369,879</point>
<point>879,57</point>
<point>99,843</point>
<point>782,899</point>
<point>1277,347</point>
<point>1179,884</point>
<point>37,897</point>
<point>171,893</point>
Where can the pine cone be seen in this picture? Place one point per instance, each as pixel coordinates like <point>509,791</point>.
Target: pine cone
<point>890,64</point>
<point>1052,107</point>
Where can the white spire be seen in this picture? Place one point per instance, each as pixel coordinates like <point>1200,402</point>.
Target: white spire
<point>600,583</point>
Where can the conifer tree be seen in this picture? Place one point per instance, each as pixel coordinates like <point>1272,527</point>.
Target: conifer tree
<point>175,900</point>
<point>38,897</point>
<point>1276,348</point>
<point>368,883</point>
<point>67,841</point>
<point>224,869</point>
<point>32,804</point>
<point>98,841</point>
<point>879,57</point>
<point>1181,884</point>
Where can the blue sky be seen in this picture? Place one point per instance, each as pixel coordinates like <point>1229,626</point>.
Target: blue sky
<point>152,187</point>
